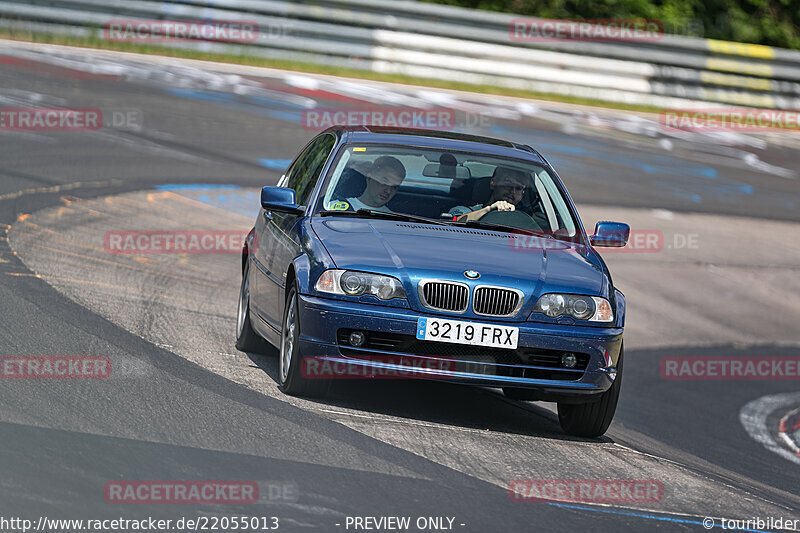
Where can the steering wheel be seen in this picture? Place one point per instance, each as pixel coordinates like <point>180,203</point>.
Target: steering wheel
<point>516,219</point>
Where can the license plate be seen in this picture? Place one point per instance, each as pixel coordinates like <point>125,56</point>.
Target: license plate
<point>474,333</point>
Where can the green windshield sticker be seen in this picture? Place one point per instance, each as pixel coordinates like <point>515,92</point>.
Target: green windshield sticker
<point>339,206</point>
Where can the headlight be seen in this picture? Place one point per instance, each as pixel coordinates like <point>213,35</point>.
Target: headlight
<point>591,308</point>
<point>352,283</point>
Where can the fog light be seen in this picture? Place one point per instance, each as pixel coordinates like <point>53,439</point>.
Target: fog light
<point>357,339</point>
<point>568,360</point>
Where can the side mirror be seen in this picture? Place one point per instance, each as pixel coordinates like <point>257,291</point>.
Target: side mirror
<point>611,234</point>
<point>281,200</point>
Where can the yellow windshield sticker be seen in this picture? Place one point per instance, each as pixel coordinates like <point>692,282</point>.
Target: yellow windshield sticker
<point>339,206</point>
<point>359,149</point>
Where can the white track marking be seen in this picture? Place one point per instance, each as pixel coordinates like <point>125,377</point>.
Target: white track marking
<point>753,417</point>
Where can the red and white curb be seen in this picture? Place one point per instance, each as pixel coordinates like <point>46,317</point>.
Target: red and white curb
<point>753,417</point>
<point>789,430</point>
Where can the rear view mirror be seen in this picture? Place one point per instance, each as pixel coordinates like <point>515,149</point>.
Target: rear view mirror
<point>435,170</point>
<point>611,234</point>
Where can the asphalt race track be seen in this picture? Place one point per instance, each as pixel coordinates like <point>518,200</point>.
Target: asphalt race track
<point>182,403</point>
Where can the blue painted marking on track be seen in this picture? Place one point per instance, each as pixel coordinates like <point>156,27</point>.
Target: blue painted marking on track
<point>271,102</point>
<point>253,100</point>
<point>231,198</point>
<point>675,167</point>
<point>200,95</point>
<point>287,116</point>
<point>568,154</point>
<point>649,516</point>
<point>711,172</point>
<point>253,105</point>
<point>275,164</point>
<point>679,177</point>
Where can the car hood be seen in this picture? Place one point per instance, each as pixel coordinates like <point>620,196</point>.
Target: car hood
<point>413,251</point>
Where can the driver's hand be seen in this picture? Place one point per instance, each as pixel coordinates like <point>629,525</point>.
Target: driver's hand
<point>502,205</point>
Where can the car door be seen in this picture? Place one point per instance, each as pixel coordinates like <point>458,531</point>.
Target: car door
<point>277,242</point>
<point>263,280</point>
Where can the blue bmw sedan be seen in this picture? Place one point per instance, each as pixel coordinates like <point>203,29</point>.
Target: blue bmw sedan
<point>413,253</point>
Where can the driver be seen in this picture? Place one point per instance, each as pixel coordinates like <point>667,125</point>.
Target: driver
<point>508,185</point>
<point>383,178</point>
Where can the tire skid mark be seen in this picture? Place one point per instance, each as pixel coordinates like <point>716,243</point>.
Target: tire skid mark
<point>106,206</point>
<point>102,284</point>
<point>161,214</point>
<point>73,242</point>
<point>117,263</point>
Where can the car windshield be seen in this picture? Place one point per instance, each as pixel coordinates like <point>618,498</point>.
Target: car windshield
<point>447,186</point>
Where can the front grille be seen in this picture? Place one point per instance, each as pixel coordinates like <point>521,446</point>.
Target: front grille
<point>523,362</point>
<point>444,295</point>
<point>496,301</point>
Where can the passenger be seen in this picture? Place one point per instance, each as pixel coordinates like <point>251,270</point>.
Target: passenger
<point>507,185</point>
<point>383,178</point>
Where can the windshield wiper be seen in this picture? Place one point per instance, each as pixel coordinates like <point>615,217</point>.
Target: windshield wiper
<point>526,231</point>
<point>374,213</point>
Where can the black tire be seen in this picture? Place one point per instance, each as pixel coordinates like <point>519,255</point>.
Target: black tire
<point>247,340</point>
<point>290,374</point>
<point>592,419</point>
<point>523,395</point>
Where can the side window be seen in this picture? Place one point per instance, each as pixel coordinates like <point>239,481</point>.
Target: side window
<point>305,172</point>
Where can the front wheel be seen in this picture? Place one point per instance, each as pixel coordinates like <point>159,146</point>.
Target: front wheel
<point>592,419</point>
<point>289,369</point>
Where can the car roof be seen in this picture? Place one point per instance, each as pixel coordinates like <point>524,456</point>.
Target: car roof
<point>448,140</point>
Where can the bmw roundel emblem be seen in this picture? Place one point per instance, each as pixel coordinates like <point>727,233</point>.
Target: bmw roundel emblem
<point>472,274</point>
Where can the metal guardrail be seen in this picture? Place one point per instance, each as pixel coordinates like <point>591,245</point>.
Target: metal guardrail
<point>444,42</point>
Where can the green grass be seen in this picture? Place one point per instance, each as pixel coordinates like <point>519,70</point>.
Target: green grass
<point>99,43</point>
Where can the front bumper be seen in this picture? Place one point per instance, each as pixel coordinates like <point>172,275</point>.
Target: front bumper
<point>321,320</point>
